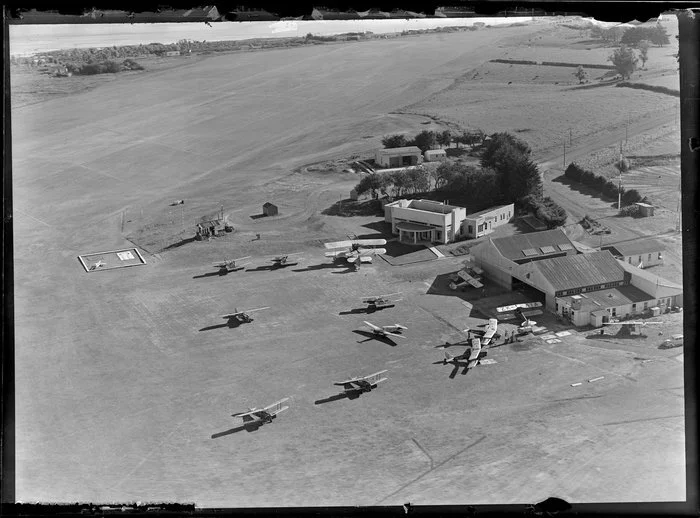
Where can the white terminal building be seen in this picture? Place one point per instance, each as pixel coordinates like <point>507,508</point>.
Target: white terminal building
<point>421,221</point>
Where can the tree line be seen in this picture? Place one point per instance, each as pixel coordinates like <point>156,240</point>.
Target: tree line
<point>428,139</point>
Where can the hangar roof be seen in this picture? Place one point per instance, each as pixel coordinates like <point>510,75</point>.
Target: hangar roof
<point>610,298</point>
<point>521,246</point>
<point>580,270</point>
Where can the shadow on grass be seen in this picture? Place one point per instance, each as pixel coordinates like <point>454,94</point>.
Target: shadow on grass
<point>349,208</point>
<point>338,397</point>
<point>180,243</point>
<point>593,85</point>
<point>258,216</point>
<point>247,428</point>
<point>372,336</point>
<point>367,310</point>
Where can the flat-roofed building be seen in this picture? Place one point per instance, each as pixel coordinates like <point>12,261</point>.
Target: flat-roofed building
<point>418,221</point>
<point>398,156</point>
<point>484,222</point>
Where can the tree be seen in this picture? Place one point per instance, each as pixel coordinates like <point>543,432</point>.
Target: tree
<point>418,179</point>
<point>581,75</point>
<point>499,140</point>
<point>643,47</point>
<point>444,138</point>
<point>394,141</point>
<point>659,36</point>
<point>624,60</point>
<point>425,140</point>
<point>400,180</point>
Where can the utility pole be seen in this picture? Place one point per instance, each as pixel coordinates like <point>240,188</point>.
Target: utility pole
<point>570,138</point>
<point>626,128</point>
<point>619,183</point>
<point>564,155</point>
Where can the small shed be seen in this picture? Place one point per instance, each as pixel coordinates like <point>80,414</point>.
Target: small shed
<point>270,209</point>
<point>645,209</point>
<point>435,155</point>
<point>353,195</point>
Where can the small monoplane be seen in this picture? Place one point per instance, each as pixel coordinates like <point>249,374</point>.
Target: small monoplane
<point>380,302</point>
<point>356,251</point>
<point>467,277</point>
<point>98,264</point>
<point>468,360</point>
<point>242,317</point>
<point>256,417</point>
<point>282,261</point>
<point>360,385</point>
<point>488,334</point>
<point>385,331</point>
<point>231,265</point>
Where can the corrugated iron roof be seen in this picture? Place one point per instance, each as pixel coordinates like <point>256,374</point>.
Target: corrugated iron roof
<point>638,247</point>
<point>611,298</point>
<point>512,246</point>
<point>580,270</point>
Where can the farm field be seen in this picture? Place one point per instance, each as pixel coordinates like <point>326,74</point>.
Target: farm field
<point>126,379</point>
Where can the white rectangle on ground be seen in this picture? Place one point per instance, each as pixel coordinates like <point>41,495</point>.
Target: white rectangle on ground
<point>563,333</point>
<point>547,337</point>
<point>487,362</point>
<point>554,341</point>
<point>125,256</point>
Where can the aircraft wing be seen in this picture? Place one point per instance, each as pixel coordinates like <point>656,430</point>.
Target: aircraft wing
<point>256,309</point>
<point>371,242</point>
<point>375,378</point>
<point>276,408</point>
<point>468,278</point>
<point>372,326</point>
<point>372,251</point>
<point>339,253</point>
<point>476,349</point>
<point>365,259</point>
<point>394,334</point>
<point>246,416</point>
<point>339,244</point>
<point>490,330</point>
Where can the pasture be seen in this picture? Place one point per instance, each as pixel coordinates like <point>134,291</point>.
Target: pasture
<point>126,379</point>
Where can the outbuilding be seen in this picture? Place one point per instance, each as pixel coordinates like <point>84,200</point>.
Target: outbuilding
<point>435,155</point>
<point>645,209</point>
<point>642,254</point>
<point>270,209</point>
<point>398,156</point>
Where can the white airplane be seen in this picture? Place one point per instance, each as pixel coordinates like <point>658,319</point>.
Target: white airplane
<point>360,385</point>
<point>488,334</point>
<point>356,249</point>
<point>242,316</point>
<point>231,265</point>
<point>392,330</point>
<point>98,264</point>
<point>256,417</point>
<point>526,325</point>
<point>469,359</point>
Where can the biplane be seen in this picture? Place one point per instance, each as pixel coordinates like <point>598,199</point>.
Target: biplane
<point>282,261</point>
<point>526,325</point>
<point>256,417</point>
<point>242,317</point>
<point>467,277</point>
<point>468,360</point>
<point>380,302</point>
<point>360,385</point>
<point>629,326</point>
<point>356,251</point>
<point>231,265</point>
<point>385,331</point>
<point>488,334</point>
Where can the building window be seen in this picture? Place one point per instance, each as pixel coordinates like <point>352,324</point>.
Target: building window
<point>629,260</point>
<point>470,229</point>
<point>634,308</point>
<point>646,306</point>
<point>480,228</point>
<point>660,256</point>
<point>649,257</point>
<point>614,311</point>
<point>640,259</point>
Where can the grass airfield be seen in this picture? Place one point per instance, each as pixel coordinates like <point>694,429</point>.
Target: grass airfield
<point>122,392</point>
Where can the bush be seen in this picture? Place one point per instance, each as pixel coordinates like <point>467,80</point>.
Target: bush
<point>112,67</point>
<point>631,210</point>
<point>631,196</point>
